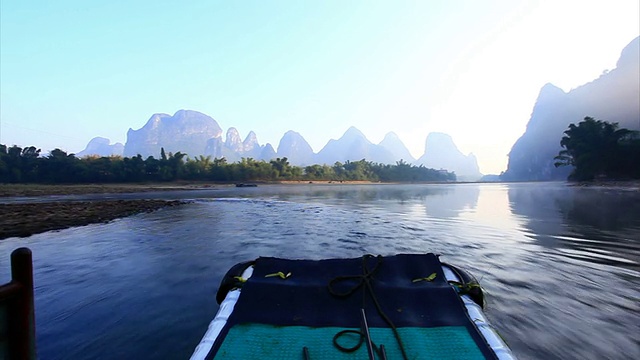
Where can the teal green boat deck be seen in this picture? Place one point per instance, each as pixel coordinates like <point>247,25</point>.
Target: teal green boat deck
<point>258,341</point>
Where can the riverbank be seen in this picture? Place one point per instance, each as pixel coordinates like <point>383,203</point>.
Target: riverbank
<point>34,190</point>
<point>26,219</point>
<point>13,190</point>
<point>614,184</point>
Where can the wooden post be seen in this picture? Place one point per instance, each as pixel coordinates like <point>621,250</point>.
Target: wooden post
<point>21,316</point>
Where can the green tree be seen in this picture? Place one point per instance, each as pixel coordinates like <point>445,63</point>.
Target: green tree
<point>220,170</point>
<point>594,148</point>
<point>198,168</point>
<point>25,165</point>
<point>60,167</point>
<point>282,167</point>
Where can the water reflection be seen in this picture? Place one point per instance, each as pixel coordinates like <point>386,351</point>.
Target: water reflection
<point>438,201</point>
<point>593,224</point>
<point>144,286</point>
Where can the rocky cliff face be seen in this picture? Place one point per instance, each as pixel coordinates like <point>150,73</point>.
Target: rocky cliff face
<point>251,148</point>
<point>296,149</point>
<point>195,134</point>
<point>353,146</point>
<point>613,97</point>
<point>440,152</point>
<point>100,146</point>
<point>186,131</point>
<point>214,148</point>
<point>250,143</point>
<point>233,149</point>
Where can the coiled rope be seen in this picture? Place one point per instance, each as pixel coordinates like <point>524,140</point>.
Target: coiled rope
<point>363,280</point>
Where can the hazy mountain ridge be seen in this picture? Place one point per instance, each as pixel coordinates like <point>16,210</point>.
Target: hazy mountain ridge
<point>613,97</point>
<point>187,131</point>
<point>197,134</point>
<point>193,133</point>
<point>353,145</point>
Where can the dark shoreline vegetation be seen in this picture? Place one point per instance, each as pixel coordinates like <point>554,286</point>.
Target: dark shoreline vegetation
<point>600,150</point>
<point>25,165</point>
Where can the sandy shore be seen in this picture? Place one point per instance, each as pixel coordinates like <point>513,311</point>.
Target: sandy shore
<point>25,219</point>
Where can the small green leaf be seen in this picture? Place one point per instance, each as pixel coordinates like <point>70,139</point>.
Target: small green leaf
<point>279,274</point>
<point>428,278</point>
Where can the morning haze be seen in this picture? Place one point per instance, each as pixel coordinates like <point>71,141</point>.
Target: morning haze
<point>470,70</point>
<point>256,179</point>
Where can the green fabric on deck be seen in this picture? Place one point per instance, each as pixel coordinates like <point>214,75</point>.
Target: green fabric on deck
<point>258,341</point>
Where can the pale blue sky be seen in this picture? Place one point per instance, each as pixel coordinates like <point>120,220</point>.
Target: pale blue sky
<point>73,70</point>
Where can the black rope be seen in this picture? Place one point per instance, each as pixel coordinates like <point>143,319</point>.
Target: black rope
<point>363,280</point>
<point>348,349</point>
<point>379,349</point>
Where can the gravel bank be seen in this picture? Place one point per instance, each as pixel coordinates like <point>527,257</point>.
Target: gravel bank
<point>22,220</point>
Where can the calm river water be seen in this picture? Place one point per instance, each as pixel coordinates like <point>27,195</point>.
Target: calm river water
<point>560,264</point>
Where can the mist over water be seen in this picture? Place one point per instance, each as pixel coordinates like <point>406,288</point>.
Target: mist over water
<point>560,265</point>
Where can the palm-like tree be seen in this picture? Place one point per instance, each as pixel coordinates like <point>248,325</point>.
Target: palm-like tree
<point>592,147</point>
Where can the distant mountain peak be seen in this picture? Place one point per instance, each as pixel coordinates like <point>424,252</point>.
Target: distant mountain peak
<point>353,145</point>
<point>182,113</point>
<point>250,142</point>
<point>292,133</point>
<point>99,146</point>
<point>439,139</point>
<point>233,140</point>
<point>268,153</point>
<point>550,91</point>
<point>396,147</point>
<point>391,136</point>
<point>440,152</point>
<point>353,132</point>
<point>295,148</point>
<point>251,135</point>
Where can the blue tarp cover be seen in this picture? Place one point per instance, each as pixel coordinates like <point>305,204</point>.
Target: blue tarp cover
<point>276,317</point>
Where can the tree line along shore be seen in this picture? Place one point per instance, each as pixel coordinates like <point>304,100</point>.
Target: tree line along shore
<point>25,165</point>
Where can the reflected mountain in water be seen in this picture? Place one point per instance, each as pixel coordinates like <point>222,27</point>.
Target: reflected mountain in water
<point>598,225</point>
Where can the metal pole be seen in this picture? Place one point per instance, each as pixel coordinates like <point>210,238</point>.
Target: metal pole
<point>21,316</point>
<point>367,335</point>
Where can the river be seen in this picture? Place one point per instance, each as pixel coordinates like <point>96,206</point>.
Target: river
<point>560,264</point>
